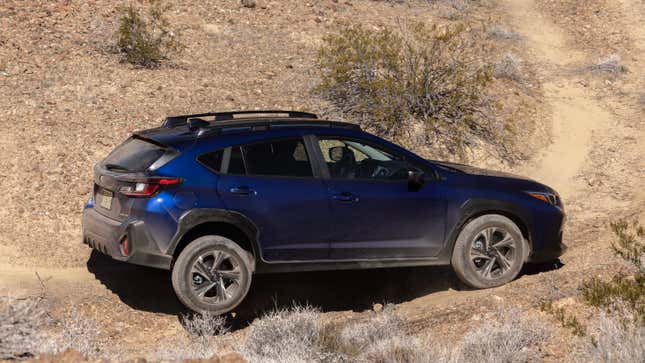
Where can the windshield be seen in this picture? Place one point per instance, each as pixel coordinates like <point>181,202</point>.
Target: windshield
<point>133,155</point>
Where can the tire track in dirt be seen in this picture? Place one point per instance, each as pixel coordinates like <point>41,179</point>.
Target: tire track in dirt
<point>575,115</point>
<point>634,11</point>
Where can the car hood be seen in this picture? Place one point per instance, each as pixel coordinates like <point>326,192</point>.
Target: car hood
<point>479,171</point>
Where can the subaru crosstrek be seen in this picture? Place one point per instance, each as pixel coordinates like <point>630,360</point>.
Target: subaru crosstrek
<point>218,197</point>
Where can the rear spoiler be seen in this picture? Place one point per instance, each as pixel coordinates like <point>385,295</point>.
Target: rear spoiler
<point>174,121</point>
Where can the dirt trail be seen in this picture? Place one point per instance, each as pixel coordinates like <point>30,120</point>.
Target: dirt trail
<point>635,11</point>
<point>575,116</point>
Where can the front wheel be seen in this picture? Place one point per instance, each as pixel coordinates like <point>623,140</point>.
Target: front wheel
<point>212,274</point>
<point>489,252</point>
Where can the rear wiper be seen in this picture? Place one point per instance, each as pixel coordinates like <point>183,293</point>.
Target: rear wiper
<point>115,167</point>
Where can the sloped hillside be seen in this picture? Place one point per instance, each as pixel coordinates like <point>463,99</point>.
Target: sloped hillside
<point>67,99</point>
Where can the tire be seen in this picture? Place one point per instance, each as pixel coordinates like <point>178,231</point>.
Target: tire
<point>204,289</point>
<point>483,248</point>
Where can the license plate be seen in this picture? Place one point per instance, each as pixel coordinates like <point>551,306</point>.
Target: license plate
<point>104,199</point>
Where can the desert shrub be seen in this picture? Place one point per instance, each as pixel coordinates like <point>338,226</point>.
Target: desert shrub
<point>77,332</point>
<point>146,41</point>
<point>198,340</point>
<point>567,321</point>
<point>508,67</point>
<point>21,327</point>
<point>288,335</point>
<point>510,337</point>
<point>430,74</point>
<point>502,33</point>
<point>623,290</point>
<point>202,328</point>
<point>611,64</point>
<point>381,337</point>
<point>615,338</point>
<point>630,244</point>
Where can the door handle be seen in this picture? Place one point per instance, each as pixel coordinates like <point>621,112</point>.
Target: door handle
<point>345,197</point>
<point>242,191</point>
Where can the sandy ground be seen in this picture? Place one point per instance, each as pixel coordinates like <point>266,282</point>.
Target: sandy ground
<point>596,160</point>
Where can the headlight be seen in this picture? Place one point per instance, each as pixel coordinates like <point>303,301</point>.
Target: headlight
<point>550,198</point>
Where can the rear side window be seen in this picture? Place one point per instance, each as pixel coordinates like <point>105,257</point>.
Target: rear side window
<point>212,160</point>
<point>236,162</point>
<point>272,158</point>
<point>277,158</point>
<point>133,155</point>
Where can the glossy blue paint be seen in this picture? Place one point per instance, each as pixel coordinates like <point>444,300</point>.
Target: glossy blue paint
<point>323,219</point>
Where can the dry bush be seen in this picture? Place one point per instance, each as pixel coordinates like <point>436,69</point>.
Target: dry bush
<point>615,338</point>
<point>608,65</point>
<point>623,290</point>
<point>381,337</point>
<point>197,341</point>
<point>501,33</point>
<point>508,67</point>
<point>21,326</point>
<point>146,41</point>
<point>452,9</point>
<point>434,75</point>
<point>284,336</point>
<point>511,337</point>
<point>297,335</point>
<point>80,333</point>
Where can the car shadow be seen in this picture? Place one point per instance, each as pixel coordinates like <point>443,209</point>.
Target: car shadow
<point>149,289</point>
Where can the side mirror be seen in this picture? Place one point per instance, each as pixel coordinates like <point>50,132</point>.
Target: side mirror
<point>416,180</point>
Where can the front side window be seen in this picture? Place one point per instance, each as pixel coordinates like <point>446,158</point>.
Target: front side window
<point>352,159</point>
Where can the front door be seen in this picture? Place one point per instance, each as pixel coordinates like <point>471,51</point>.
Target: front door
<point>375,214</point>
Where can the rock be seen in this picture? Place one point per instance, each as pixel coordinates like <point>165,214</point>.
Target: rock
<point>213,29</point>
<point>377,307</point>
<point>249,3</point>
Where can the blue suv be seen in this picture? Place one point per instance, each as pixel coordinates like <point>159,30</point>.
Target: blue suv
<point>218,197</point>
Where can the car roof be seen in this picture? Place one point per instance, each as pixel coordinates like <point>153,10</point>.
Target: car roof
<point>198,128</point>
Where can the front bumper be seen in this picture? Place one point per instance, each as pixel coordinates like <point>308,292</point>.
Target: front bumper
<point>104,235</point>
<point>549,246</point>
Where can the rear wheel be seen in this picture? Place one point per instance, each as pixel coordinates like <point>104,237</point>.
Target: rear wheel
<point>212,274</point>
<point>489,251</point>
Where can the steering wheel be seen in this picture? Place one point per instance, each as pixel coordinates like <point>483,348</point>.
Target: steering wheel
<point>381,172</point>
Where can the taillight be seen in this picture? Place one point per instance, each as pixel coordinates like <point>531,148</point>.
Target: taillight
<point>124,246</point>
<point>147,188</point>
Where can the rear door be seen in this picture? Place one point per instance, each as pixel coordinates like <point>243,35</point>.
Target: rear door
<point>273,184</point>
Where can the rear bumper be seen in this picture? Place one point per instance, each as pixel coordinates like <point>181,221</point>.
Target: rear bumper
<point>104,235</point>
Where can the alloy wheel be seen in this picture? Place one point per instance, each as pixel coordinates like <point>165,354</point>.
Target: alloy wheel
<point>215,277</point>
<point>493,252</point>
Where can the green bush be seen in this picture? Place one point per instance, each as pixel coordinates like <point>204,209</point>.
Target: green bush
<point>382,78</point>
<point>623,291</point>
<point>146,41</point>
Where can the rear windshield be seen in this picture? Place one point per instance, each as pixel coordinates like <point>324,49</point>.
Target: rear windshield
<point>133,155</point>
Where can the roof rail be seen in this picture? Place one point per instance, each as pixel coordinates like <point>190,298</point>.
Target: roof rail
<point>174,121</point>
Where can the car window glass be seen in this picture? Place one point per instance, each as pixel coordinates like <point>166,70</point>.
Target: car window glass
<point>278,157</point>
<point>236,163</point>
<point>212,160</point>
<point>134,155</point>
<point>352,159</point>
